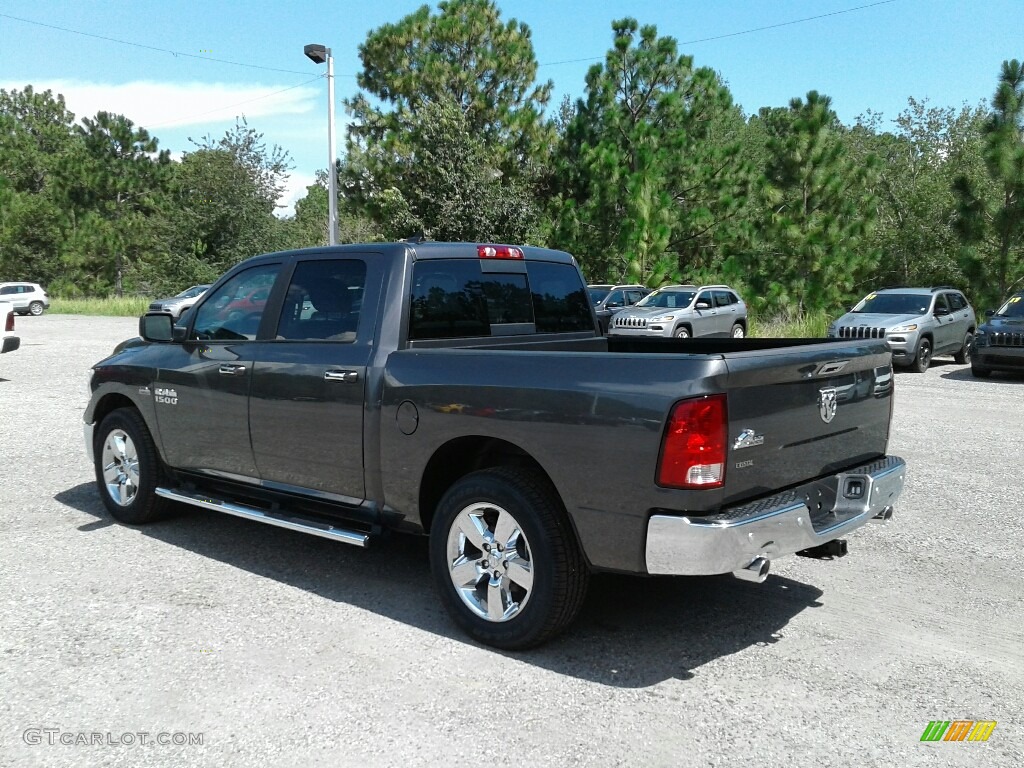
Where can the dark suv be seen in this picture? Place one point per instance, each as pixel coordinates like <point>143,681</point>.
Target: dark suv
<point>999,342</point>
<point>609,299</point>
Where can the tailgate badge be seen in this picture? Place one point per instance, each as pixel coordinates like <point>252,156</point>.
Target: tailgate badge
<point>747,439</point>
<point>827,404</point>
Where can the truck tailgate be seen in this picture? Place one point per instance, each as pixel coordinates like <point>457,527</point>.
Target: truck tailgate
<point>796,414</point>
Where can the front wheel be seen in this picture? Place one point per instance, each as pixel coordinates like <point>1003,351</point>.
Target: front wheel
<point>505,559</point>
<point>682,332</point>
<point>128,469</point>
<point>36,308</point>
<point>738,332</point>
<point>923,357</point>
<point>964,354</point>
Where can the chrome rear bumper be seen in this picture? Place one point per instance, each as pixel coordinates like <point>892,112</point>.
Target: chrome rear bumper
<point>778,525</point>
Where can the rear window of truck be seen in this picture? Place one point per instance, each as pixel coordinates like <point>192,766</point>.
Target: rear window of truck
<point>455,298</point>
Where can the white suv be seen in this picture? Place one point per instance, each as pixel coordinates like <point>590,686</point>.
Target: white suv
<point>27,298</point>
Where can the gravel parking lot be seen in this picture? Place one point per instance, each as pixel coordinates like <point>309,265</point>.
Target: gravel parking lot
<point>279,649</point>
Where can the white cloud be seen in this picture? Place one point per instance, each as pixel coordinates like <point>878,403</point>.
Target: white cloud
<point>294,190</point>
<point>163,105</point>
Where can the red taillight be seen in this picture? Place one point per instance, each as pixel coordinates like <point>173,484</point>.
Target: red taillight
<point>499,252</point>
<point>693,452</point>
<point>9,325</point>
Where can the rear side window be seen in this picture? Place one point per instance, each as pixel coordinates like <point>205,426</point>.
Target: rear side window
<point>559,301</point>
<point>453,298</point>
<point>956,301</point>
<point>323,301</point>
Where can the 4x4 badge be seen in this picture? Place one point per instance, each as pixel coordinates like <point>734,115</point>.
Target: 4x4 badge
<point>827,404</point>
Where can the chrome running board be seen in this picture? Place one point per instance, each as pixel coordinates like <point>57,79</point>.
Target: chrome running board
<point>302,525</point>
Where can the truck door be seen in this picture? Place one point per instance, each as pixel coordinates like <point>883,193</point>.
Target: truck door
<point>309,379</point>
<point>201,394</point>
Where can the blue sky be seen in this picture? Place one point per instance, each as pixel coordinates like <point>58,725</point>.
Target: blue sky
<point>874,57</point>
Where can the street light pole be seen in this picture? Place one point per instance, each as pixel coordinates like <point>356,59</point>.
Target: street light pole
<point>320,54</point>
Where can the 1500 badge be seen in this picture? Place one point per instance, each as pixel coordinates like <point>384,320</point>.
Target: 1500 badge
<point>168,396</point>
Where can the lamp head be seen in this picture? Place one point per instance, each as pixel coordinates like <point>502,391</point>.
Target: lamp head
<point>317,53</point>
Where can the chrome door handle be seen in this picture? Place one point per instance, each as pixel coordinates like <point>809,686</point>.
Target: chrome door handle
<point>231,369</point>
<point>348,376</point>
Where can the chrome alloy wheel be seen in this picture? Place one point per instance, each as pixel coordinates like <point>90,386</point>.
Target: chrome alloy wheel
<point>120,467</point>
<point>490,562</point>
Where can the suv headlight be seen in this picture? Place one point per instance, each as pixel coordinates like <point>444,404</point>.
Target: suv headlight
<point>903,328</point>
<point>831,332</point>
<point>663,318</point>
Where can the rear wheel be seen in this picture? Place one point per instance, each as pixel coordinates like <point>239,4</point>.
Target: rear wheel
<point>924,356</point>
<point>964,354</point>
<point>738,332</point>
<point>128,469</point>
<point>36,308</point>
<point>682,332</point>
<point>505,559</point>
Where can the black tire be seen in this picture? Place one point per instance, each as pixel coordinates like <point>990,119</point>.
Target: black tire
<point>923,357</point>
<point>35,308</point>
<point>141,476</point>
<point>738,331</point>
<point>559,573</point>
<point>682,332</point>
<point>963,355</point>
<point>980,373</point>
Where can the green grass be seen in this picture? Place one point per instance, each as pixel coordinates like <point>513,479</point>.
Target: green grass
<point>783,327</point>
<point>126,306</point>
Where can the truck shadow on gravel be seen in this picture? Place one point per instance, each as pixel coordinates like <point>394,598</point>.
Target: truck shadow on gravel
<point>633,632</point>
<point>964,374</point>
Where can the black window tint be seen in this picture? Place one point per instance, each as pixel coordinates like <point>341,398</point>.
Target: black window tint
<point>706,298</point>
<point>323,301</point>
<point>616,297</point>
<point>559,298</point>
<point>8,289</point>
<point>233,312</point>
<point>448,300</point>
<point>940,302</point>
<point>956,301</point>
<point>723,298</point>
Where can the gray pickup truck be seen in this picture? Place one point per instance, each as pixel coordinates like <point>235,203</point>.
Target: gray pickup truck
<point>463,391</point>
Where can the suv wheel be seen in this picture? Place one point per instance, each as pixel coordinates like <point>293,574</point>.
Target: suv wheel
<point>980,373</point>
<point>682,332</point>
<point>964,354</point>
<point>923,357</point>
<point>36,308</point>
<point>128,469</point>
<point>738,332</point>
<point>505,559</point>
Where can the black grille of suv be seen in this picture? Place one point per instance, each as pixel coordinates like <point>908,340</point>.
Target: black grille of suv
<point>631,322</point>
<point>861,332</point>
<point>1007,339</point>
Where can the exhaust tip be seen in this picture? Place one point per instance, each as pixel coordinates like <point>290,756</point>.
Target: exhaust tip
<point>884,516</point>
<point>756,571</point>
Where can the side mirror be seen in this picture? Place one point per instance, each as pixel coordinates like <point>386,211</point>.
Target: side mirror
<point>941,311</point>
<point>989,312</point>
<point>703,305</point>
<point>613,304</point>
<point>156,326</point>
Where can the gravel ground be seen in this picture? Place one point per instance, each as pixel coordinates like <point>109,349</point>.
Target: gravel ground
<point>287,650</point>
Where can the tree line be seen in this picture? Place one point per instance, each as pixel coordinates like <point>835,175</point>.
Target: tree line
<point>652,175</point>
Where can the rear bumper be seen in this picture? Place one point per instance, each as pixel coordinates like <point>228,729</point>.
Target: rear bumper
<point>11,343</point>
<point>788,522</point>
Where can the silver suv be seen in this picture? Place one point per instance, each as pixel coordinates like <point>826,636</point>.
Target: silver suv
<point>917,324</point>
<point>27,298</point>
<point>684,311</point>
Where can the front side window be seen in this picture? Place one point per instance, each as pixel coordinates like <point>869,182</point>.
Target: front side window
<point>705,301</point>
<point>7,290</point>
<point>616,298</point>
<point>324,301</point>
<point>234,311</point>
<point>941,303</point>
